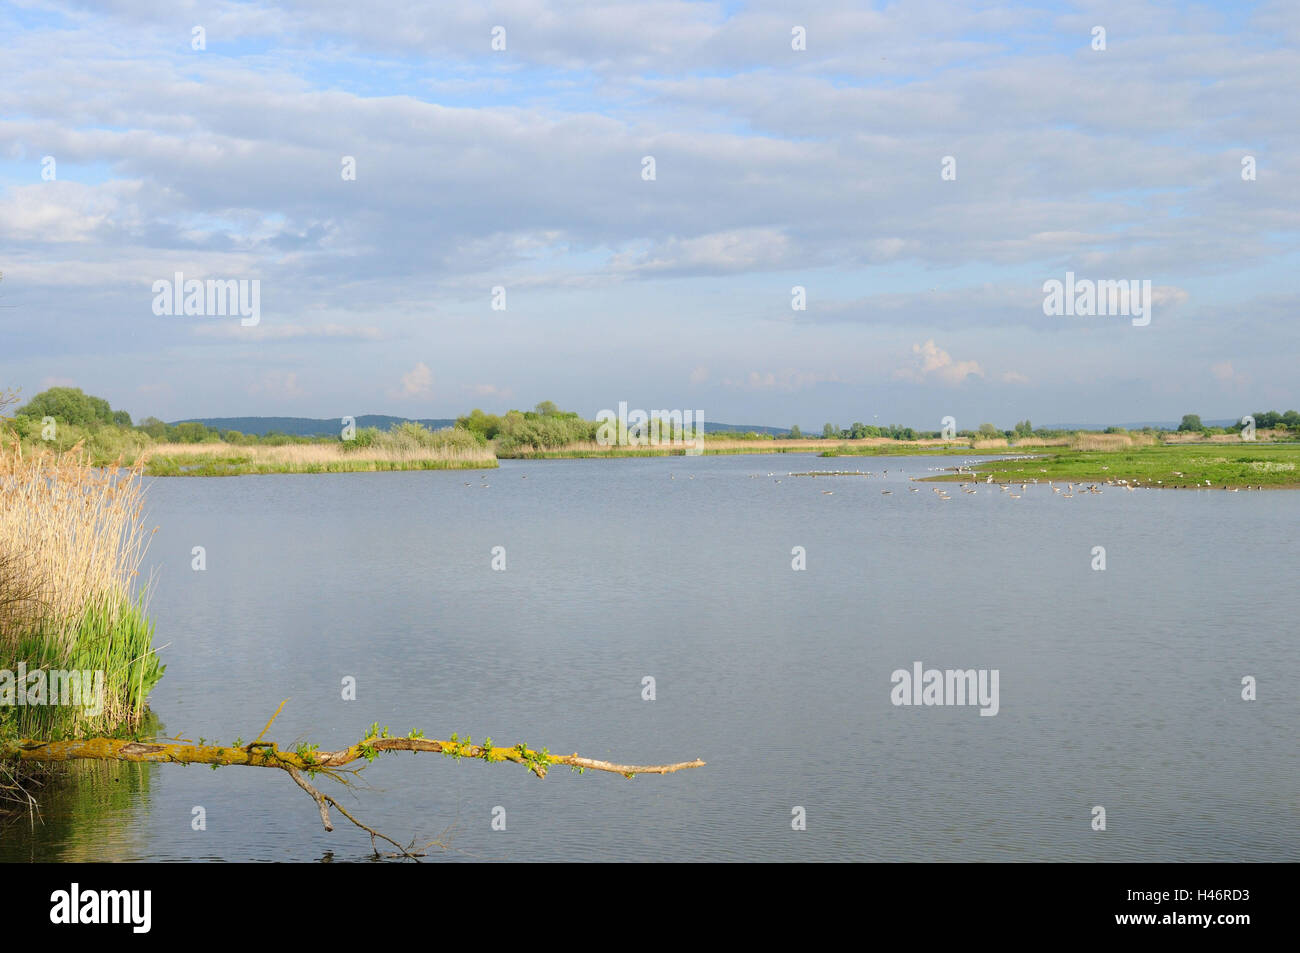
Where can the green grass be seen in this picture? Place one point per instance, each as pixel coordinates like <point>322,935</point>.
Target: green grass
<point>114,640</point>
<point>1223,465</point>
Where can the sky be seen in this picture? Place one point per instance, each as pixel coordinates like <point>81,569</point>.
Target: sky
<point>920,169</point>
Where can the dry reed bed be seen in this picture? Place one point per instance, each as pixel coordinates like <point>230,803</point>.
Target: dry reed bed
<point>71,535</point>
<point>303,456</point>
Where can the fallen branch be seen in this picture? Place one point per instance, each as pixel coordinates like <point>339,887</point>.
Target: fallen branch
<point>264,754</point>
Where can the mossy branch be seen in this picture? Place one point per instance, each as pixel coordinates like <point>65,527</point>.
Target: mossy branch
<point>265,754</point>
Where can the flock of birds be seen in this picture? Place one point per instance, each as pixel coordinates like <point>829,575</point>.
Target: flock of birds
<point>1067,489</point>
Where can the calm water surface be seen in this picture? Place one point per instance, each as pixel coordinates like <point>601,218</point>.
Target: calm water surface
<point>1118,688</point>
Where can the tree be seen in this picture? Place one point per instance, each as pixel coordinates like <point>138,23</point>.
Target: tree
<point>191,431</point>
<point>988,431</point>
<point>830,432</point>
<point>546,408</point>
<point>153,427</point>
<point>796,433</point>
<point>69,405</point>
<point>486,425</point>
<point>1024,429</point>
<point>1191,422</point>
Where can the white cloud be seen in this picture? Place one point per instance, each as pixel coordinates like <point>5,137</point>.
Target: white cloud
<point>417,382</point>
<point>932,363</point>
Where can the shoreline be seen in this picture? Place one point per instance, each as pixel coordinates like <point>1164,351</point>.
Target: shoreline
<point>1183,465</point>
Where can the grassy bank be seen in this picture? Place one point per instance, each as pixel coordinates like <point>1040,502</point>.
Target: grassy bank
<point>1165,466</point>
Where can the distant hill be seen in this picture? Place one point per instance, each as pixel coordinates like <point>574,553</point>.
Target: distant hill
<point>711,427</point>
<point>330,426</point>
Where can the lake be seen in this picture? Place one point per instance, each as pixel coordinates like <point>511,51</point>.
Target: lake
<point>1119,688</point>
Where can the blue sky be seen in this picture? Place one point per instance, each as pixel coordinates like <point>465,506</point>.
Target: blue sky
<point>774,168</point>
